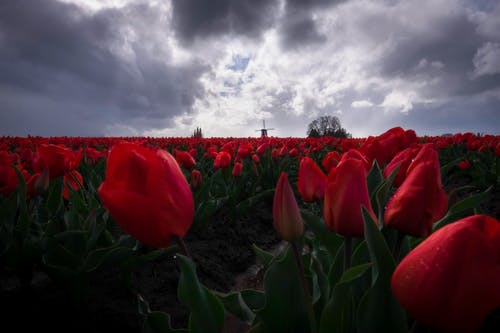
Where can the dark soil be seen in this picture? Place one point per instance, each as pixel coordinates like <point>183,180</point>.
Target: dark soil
<point>225,261</point>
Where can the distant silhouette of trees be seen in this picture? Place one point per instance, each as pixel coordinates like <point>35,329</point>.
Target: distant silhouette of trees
<point>327,125</point>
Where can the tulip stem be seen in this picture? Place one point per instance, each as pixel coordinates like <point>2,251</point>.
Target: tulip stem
<point>396,252</point>
<point>347,252</point>
<point>310,309</point>
<point>182,245</point>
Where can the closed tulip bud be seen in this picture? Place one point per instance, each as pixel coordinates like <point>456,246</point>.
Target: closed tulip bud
<point>237,169</point>
<point>255,158</point>
<point>312,181</point>
<point>42,182</point>
<point>331,160</point>
<point>464,165</point>
<point>222,160</point>
<point>147,194</point>
<point>286,214</point>
<point>185,159</point>
<point>196,179</point>
<point>72,181</point>
<point>450,281</point>
<point>345,193</point>
<point>420,200</point>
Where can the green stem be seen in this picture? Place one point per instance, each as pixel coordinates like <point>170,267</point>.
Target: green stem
<point>182,246</point>
<point>310,309</point>
<point>347,252</point>
<point>396,252</point>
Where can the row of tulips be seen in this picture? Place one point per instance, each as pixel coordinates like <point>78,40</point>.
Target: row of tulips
<point>376,246</point>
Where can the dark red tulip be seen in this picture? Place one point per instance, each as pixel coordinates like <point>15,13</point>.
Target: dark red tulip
<point>345,193</point>
<point>185,159</point>
<point>237,169</point>
<point>8,175</point>
<point>312,181</point>
<point>286,214</point>
<point>72,181</point>
<point>450,281</point>
<point>196,179</point>
<point>147,194</point>
<point>420,200</point>
<point>56,158</point>
<point>331,160</point>
<point>222,160</point>
<point>402,159</point>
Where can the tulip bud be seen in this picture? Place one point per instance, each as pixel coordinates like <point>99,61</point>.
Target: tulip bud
<point>345,193</point>
<point>196,179</point>
<point>237,169</point>
<point>42,182</point>
<point>286,214</point>
<point>312,181</point>
<point>450,281</point>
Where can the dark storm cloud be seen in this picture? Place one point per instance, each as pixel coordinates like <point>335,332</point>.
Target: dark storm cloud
<point>445,50</point>
<point>199,19</point>
<point>298,27</point>
<point>62,62</point>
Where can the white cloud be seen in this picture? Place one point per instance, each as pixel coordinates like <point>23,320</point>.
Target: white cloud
<point>487,60</point>
<point>399,101</point>
<point>361,104</point>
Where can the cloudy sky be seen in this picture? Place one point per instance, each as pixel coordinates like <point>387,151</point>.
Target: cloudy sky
<point>163,68</point>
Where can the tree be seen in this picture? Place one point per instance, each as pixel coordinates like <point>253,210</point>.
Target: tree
<point>327,125</point>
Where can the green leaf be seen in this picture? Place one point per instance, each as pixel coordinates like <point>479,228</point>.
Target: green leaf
<point>155,321</point>
<point>337,315</point>
<point>263,256</point>
<point>207,312</point>
<point>235,304</point>
<point>327,238</point>
<point>374,178</point>
<point>461,207</point>
<point>378,310</point>
<point>285,309</point>
<point>354,272</point>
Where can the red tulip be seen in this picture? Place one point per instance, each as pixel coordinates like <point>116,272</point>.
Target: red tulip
<point>463,165</point>
<point>237,169</point>
<point>196,179</point>
<point>286,214</point>
<point>222,160</point>
<point>56,158</point>
<point>8,175</point>
<point>312,181</point>
<point>185,159</point>
<point>420,200</point>
<point>345,193</point>
<point>72,179</point>
<point>331,160</point>
<point>402,159</point>
<point>147,194</point>
<point>450,282</point>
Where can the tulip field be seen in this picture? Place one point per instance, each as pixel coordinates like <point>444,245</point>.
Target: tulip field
<point>389,233</point>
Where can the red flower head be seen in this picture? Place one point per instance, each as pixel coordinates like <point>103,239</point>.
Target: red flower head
<point>237,169</point>
<point>345,193</point>
<point>196,179</point>
<point>312,181</point>
<point>72,179</point>
<point>222,160</point>
<point>331,160</point>
<point>286,214</point>
<point>450,281</point>
<point>147,194</point>
<point>56,158</point>
<point>185,159</point>
<point>420,200</point>
<point>8,175</point>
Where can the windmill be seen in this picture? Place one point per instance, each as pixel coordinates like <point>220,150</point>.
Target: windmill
<point>263,130</point>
